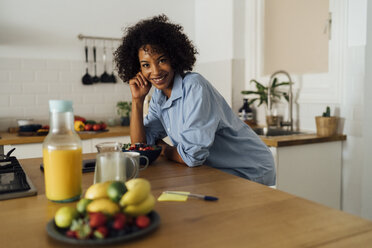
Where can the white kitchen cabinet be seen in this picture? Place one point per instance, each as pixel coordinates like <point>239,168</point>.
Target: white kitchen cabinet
<point>311,171</point>
<point>288,24</point>
<point>33,150</point>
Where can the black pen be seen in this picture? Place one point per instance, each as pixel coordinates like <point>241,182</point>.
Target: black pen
<point>204,197</point>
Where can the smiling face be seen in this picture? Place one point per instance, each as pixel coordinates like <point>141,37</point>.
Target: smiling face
<point>156,68</point>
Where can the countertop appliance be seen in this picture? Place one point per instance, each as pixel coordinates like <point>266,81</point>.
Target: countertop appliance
<point>14,182</point>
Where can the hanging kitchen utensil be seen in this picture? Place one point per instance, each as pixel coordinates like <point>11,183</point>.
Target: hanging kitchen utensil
<point>95,79</point>
<point>112,76</point>
<point>87,79</point>
<point>105,77</point>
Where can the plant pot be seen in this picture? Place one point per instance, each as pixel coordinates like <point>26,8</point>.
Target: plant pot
<point>274,120</point>
<point>326,126</point>
<point>125,120</point>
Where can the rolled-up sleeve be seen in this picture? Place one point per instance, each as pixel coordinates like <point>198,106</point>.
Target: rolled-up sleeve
<point>200,124</point>
<point>153,127</point>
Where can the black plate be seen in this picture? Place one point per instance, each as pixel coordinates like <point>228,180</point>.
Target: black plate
<point>58,234</point>
<point>92,132</point>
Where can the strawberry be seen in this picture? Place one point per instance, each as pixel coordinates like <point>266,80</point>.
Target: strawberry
<point>97,219</point>
<point>118,224</point>
<point>119,221</point>
<point>71,234</point>
<point>142,221</point>
<point>120,216</point>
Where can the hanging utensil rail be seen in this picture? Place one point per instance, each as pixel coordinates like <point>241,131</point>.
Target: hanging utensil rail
<point>82,37</point>
<point>105,77</point>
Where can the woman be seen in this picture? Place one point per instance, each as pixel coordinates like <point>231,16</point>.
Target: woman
<point>185,106</point>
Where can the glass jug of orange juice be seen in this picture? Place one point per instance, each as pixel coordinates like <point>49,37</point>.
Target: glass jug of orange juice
<point>62,155</point>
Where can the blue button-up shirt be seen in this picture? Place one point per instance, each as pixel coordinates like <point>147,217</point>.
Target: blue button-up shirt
<point>205,130</point>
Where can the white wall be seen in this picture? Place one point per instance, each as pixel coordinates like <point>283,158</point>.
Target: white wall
<point>214,40</point>
<point>49,28</point>
<point>220,38</point>
<point>41,57</point>
<point>366,192</point>
<point>352,106</point>
<point>214,30</point>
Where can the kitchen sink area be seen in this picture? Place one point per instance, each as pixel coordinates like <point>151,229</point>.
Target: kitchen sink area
<point>264,131</point>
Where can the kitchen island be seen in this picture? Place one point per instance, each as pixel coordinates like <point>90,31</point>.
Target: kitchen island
<point>307,165</point>
<point>247,214</point>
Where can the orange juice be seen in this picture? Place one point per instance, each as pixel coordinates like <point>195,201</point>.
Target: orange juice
<point>63,173</point>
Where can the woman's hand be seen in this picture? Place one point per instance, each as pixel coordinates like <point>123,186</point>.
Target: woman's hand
<point>169,152</point>
<point>163,145</point>
<point>139,86</point>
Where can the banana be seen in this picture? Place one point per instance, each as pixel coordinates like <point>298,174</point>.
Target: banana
<point>142,208</point>
<point>97,190</point>
<point>138,190</point>
<point>103,205</point>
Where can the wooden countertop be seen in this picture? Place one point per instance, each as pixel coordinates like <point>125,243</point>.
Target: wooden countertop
<point>14,139</point>
<point>299,139</point>
<point>247,214</point>
<point>275,141</point>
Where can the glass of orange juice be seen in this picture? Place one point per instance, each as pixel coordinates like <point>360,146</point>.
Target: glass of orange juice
<point>62,155</point>
<point>63,174</point>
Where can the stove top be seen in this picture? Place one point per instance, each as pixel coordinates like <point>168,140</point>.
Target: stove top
<point>14,182</point>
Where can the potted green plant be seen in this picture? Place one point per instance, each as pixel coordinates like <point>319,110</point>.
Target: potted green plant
<point>124,109</point>
<point>326,125</point>
<point>260,95</point>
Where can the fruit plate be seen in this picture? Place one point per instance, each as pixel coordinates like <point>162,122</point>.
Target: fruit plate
<point>59,234</point>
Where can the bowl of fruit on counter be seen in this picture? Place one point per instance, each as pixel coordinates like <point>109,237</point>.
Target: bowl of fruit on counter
<point>152,152</point>
<point>110,212</point>
<point>82,125</point>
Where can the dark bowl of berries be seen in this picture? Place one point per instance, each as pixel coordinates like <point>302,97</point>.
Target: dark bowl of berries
<point>152,152</point>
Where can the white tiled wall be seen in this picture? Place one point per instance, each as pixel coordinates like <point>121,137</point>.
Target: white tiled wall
<point>26,85</point>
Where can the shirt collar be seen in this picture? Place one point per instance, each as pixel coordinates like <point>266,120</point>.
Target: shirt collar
<point>176,93</point>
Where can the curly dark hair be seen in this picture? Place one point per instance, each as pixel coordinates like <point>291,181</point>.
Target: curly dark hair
<point>158,32</point>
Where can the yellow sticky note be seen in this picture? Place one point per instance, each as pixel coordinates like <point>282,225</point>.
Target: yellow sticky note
<point>173,197</point>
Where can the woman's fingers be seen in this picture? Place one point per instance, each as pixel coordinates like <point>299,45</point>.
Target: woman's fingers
<point>137,81</point>
<point>134,81</point>
<point>135,87</point>
<point>139,86</point>
<point>144,80</point>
